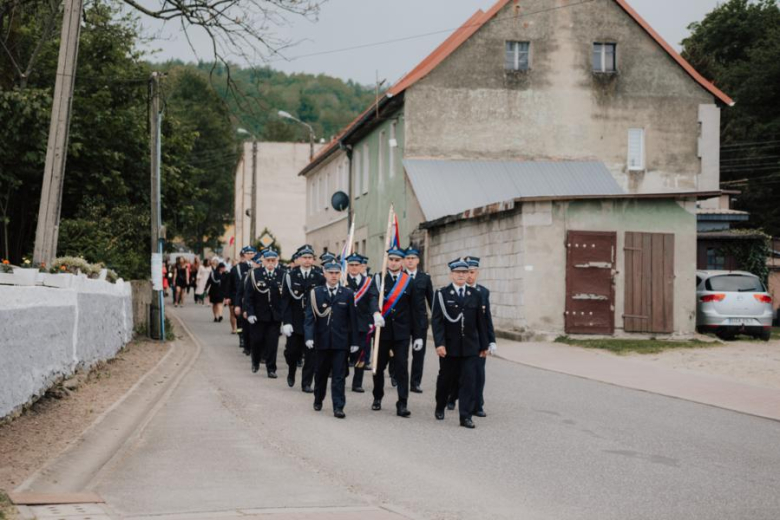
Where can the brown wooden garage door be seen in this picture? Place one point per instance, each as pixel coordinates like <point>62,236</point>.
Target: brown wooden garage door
<point>590,293</point>
<point>649,282</point>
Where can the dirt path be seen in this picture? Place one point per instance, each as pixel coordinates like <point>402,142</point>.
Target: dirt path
<point>58,418</point>
<point>750,362</point>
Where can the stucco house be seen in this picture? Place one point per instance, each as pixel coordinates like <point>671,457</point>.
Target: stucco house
<point>567,145</point>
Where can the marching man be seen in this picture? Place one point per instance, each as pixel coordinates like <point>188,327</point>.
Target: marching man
<point>263,305</point>
<point>331,330</point>
<point>460,336</point>
<point>367,305</point>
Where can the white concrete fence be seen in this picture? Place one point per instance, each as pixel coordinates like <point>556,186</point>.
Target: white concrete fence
<point>52,325</point>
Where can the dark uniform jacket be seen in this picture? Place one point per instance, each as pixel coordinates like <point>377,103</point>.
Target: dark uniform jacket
<point>408,317</point>
<point>484,292</point>
<point>368,304</point>
<point>464,333</point>
<point>263,294</point>
<point>235,281</point>
<point>331,321</point>
<point>424,287</point>
<point>216,285</point>
<point>295,296</point>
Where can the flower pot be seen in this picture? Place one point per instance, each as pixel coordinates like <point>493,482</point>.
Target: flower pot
<point>25,276</point>
<point>7,279</point>
<point>60,281</point>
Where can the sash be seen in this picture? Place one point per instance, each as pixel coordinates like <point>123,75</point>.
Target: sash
<point>363,290</point>
<point>392,299</point>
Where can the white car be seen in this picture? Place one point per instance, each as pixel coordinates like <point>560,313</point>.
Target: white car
<point>731,303</point>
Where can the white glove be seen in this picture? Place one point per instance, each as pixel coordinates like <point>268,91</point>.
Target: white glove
<point>252,319</point>
<point>287,329</point>
<point>353,349</point>
<point>418,345</point>
<point>310,344</point>
<point>492,349</point>
<point>379,321</point>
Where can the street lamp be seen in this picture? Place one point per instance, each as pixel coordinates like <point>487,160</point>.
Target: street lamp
<point>287,115</point>
<point>252,224</point>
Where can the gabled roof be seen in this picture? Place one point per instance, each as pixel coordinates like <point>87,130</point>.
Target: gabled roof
<point>463,33</point>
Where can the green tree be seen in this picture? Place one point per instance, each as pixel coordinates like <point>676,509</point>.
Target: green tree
<point>738,46</point>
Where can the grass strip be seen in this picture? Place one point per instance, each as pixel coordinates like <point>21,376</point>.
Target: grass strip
<point>638,346</point>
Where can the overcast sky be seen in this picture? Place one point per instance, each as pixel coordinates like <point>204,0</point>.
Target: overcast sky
<point>349,23</point>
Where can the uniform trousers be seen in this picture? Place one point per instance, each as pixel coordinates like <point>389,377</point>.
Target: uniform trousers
<point>294,350</point>
<point>361,356</point>
<point>479,402</point>
<point>400,350</point>
<point>464,371</point>
<point>265,343</point>
<point>331,361</point>
<point>418,360</point>
<point>242,327</point>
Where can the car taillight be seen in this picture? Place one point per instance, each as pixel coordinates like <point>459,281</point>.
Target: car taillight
<point>763,298</point>
<point>713,298</point>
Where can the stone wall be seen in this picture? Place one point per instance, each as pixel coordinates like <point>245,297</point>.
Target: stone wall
<point>498,242</point>
<point>47,333</point>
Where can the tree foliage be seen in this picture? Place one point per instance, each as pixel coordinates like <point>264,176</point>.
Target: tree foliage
<point>738,46</point>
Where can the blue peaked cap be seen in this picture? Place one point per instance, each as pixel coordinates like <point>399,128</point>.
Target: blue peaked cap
<point>412,251</point>
<point>473,261</point>
<point>257,258</point>
<point>458,264</point>
<point>332,266</point>
<point>246,250</point>
<point>354,257</point>
<point>270,253</point>
<point>305,249</point>
<point>363,259</point>
<point>327,257</point>
<point>396,252</point>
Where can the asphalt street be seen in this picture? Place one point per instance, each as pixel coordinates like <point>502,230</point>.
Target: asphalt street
<point>552,447</point>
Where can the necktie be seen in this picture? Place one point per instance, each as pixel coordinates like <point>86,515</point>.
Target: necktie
<point>332,293</point>
<point>460,293</point>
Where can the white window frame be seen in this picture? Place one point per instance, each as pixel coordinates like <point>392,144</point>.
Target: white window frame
<point>381,156</point>
<point>310,194</point>
<point>633,134</point>
<point>366,166</point>
<point>514,48</point>
<point>356,173</point>
<point>603,67</point>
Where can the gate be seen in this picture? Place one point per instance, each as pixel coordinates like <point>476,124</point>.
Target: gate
<point>649,279</point>
<point>590,292</point>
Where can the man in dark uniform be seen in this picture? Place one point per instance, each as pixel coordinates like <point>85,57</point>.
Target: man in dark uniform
<point>404,313</point>
<point>235,282</point>
<point>424,288</point>
<point>331,331</point>
<point>368,315</point>
<point>471,281</point>
<point>263,303</point>
<point>297,287</point>
<point>460,336</point>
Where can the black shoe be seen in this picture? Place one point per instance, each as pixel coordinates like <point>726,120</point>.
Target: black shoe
<point>246,352</point>
<point>290,381</point>
<point>439,415</point>
<point>216,320</point>
<point>358,389</point>
<point>376,405</point>
<point>338,413</point>
<point>416,389</point>
<point>450,406</point>
<point>272,375</point>
<point>394,382</point>
<point>255,369</point>
<point>307,390</point>
<point>317,406</point>
<point>480,413</point>
<point>466,422</point>
<point>401,410</point>
<point>220,319</point>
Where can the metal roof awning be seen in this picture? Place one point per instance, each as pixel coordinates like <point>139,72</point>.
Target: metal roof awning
<point>446,188</point>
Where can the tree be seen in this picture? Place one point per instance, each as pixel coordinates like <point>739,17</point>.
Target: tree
<point>738,46</point>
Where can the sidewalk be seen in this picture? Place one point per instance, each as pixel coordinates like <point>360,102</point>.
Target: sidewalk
<point>630,372</point>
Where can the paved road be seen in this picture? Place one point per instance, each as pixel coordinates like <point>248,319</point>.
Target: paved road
<point>553,447</point>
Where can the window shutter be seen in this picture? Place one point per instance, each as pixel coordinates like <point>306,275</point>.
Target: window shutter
<point>509,56</point>
<point>366,164</point>
<point>636,149</point>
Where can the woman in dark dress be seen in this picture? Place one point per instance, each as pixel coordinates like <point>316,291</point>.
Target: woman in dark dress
<point>181,277</point>
<point>216,286</point>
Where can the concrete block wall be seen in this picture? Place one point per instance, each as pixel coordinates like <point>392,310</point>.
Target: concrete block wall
<point>47,333</point>
<point>498,242</point>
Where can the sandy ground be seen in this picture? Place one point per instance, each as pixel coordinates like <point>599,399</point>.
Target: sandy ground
<point>52,423</point>
<point>751,362</point>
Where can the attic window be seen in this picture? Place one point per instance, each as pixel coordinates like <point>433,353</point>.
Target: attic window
<point>604,57</point>
<point>517,56</point>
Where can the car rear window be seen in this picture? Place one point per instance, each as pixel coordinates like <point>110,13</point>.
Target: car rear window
<point>734,283</point>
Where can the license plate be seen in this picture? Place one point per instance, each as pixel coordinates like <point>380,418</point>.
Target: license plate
<point>741,321</point>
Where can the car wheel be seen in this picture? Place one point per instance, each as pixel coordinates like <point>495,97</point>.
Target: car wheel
<point>765,335</point>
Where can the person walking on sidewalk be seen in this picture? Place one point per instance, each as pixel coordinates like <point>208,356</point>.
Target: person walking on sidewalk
<point>263,306</point>
<point>202,278</point>
<point>368,315</point>
<point>216,283</point>
<point>331,331</point>
<point>298,283</point>
<point>460,336</point>
<point>404,313</point>
<point>181,275</point>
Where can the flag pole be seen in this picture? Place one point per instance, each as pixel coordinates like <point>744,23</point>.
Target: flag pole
<point>375,350</point>
<point>347,251</point>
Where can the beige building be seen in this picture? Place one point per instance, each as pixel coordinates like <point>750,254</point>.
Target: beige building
<point>281,195</point>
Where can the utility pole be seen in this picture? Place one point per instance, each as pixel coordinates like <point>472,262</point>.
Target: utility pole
<point>253,222</point>
<point>48,226</point>
<point>157,318</point>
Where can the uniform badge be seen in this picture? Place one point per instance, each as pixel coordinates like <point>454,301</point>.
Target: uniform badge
<point>452,292</point>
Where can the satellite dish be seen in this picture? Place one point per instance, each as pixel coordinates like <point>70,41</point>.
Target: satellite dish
<point>339,201</point>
